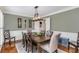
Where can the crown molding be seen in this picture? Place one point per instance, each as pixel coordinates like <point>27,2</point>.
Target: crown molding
<point>60,11</point>
<point>13,13</point>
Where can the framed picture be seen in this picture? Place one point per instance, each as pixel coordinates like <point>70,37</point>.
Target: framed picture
<point>30,23</point>
<point>19,22</point>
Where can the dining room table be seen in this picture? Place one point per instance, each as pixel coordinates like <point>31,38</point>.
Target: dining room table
<point>39,40</point>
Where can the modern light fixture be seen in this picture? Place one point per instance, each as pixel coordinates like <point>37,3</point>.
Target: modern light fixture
<point>36,15</point>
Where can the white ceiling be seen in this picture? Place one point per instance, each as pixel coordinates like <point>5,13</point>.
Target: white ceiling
<point>29,10</point>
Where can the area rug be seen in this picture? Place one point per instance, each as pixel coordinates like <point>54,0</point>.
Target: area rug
<point>20,49</point>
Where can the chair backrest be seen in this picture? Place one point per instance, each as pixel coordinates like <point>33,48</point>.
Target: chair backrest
<point>29,36</point>
<point>48,33</point>
<point>29,33</point>
<point>78,40</point>
<point>29,40</point>
<point>22,35</point>
<point>6,34</point>
<point>54,42</point>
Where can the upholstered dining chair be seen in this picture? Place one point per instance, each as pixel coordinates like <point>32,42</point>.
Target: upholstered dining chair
<point>74,44</point>
<point>8,37</point>
<point>52,45</point>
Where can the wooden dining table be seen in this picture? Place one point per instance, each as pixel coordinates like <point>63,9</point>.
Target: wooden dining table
<point>40,39</point>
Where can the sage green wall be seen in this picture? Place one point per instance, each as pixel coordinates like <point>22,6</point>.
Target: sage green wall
<point>10,22</point>
<point>66,21</point>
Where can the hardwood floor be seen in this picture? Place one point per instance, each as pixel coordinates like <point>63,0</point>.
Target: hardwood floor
<point>9,48</point>
<point>12,49</point>
<point>66,49</point>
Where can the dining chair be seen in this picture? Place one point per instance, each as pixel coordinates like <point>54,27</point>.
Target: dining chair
<point>23,39</point>
<point>52,45</point>
<point>74,44</point>
<point>8,37</point>
<point>29,43</point>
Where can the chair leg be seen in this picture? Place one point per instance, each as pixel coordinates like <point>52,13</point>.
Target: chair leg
<point>32,48</point>
<point>4,43</point>
<point>27,50</point>
<point>9,41</point>
<point>26,46</point>
<point>23,43</point>
<point>14,40</point>
<point>56,51</point>
<point>76,49</point>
